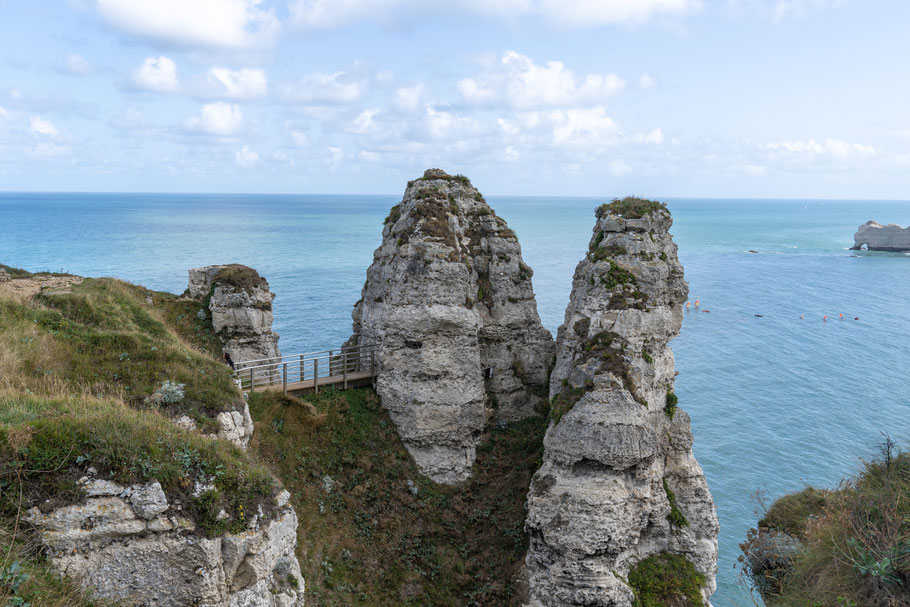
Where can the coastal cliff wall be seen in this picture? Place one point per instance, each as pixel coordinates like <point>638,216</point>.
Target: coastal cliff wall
<point>619,482</point>
<point>450,303</point>
<point>877,237</point>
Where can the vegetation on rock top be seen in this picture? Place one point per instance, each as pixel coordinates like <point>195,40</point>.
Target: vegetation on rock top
<point>630,207</point>
<point>844,547</point>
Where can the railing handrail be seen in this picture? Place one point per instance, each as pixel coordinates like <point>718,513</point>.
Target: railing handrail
<point>277,360</point>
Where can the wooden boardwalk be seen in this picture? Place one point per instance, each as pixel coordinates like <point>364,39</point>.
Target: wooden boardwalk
<point>342,368</point>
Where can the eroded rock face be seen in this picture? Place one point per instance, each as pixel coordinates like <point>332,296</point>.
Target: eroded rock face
<point>878,237</point>
<point>616,452</point>
<point>131,547</point>
<point>240,303</point>
<point>448,296</point>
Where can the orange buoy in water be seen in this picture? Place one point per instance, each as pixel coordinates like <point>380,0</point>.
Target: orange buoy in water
<point>841,316</point>
<point>800,316</point>
<point>696,303</point>
<point>826,317</point>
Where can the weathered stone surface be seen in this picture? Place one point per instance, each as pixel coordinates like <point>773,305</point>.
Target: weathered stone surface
<point>107,544</point>
<point>446,297</point>
<point>240,303</point>
<point>877,237</point>
<point>236,426</point>
<point>4,276</point>
<point>600,502</point>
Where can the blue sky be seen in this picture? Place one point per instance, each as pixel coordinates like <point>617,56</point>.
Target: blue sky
<point>739,98</point>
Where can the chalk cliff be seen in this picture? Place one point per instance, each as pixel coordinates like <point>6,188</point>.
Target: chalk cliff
<point>240,304</point>
<point>877,237</point>
<point>131,546</point>
<point>450,303</point>
<point>619,482</point>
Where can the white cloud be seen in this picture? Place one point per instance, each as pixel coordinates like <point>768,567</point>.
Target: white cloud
<point>325,89</point>
<point>40,126</point>
<point>584,127</point>
<point>755,170</point>
<point>781,9</point>
<point>233,24</point>
<point>647,81</point>
<point>219,119</point>
<point>157,74</point>
<point>3,112</point>
<point>834,148</point>
<point>619,168</point>
<point>246,158</point>
<point>409,98</point>
<point>78,65</point>
<point>655,136</point>
<point>300,139</point>
<point>523,84</point>
<point>364,123</point>
<point>576,13</point>
<point>246,83</point>
<point>45,149</point>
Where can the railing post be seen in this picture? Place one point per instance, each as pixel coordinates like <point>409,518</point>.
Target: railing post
<point>373,366</point>
<point>316,376</point>
<point>301,367</point>
<point>284,377</point>
<point>252,380</point>
<point>344,369</point>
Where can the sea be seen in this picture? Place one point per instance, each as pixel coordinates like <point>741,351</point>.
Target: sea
<point>780,397</point>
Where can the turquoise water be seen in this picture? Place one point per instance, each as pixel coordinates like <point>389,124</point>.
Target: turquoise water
<point>776,402</point>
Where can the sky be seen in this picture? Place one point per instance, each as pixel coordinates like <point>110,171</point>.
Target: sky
<point>675,98</point>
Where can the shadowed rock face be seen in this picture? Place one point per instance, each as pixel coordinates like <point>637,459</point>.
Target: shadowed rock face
<point>448,296</point>
<point>241,307</point>
<point>615,451</point>
<point>877,237</point>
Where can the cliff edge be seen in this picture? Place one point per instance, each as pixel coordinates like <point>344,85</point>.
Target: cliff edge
<point>619,484</point>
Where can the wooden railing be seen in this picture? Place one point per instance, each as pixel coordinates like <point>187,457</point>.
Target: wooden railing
<point>310,371</point>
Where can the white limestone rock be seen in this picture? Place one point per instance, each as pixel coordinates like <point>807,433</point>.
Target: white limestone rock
<point>109,544</point>
<point>448,296</point>
<point>877,237</point>
<point>599,502</point>
<point>236,426</point>
<point>240,304</point>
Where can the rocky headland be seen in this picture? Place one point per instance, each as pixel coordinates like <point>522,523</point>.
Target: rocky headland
<point>450,304</point>
<point>619,484</point>
<point>877,237</point>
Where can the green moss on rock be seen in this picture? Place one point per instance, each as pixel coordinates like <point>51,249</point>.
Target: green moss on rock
<point>666,580</point>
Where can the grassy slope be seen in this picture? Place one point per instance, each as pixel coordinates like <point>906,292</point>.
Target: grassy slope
<point>369,540</point>
<point>855,541</point>
<point>75,373</point>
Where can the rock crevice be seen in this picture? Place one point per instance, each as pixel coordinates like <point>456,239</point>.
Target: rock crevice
<point>618,482</point>
<point>450,304</point>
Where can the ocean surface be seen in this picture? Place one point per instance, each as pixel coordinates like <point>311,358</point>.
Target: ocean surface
<point>776,402</point>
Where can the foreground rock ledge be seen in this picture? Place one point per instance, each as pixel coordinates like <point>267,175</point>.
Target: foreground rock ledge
<point>128,545</point>
<point>450,302</point>
<point>618,482</point>
<point>877,237</point>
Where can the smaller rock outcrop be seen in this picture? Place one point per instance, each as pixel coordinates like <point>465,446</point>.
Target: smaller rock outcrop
<point>240,304</point>
<point>4,276</point>
<point>130,546</point>
<point>877,237</point>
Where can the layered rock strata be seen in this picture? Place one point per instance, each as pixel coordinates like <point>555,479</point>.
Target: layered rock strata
<point>240,304</point>
<point>130,546</point>
<point>618,481</point>
<point>877,237</point>
<point>449,302</point>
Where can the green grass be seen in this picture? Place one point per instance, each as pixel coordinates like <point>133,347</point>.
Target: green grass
<point>239,276</point>
<point>676,517</point>
<point>47,443</point>
<point>855,541</point>
<point>631,207</point>
<point>105,338</point>
<point>371,541</point>
<point>666,580</point>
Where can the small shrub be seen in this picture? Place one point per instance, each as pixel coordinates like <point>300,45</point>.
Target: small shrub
<point>168,394</point>
<point>671,402</point>
<point>630,207</point>
<point>676,517</point>
<point>647,356</point>
<point>666,580</point>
